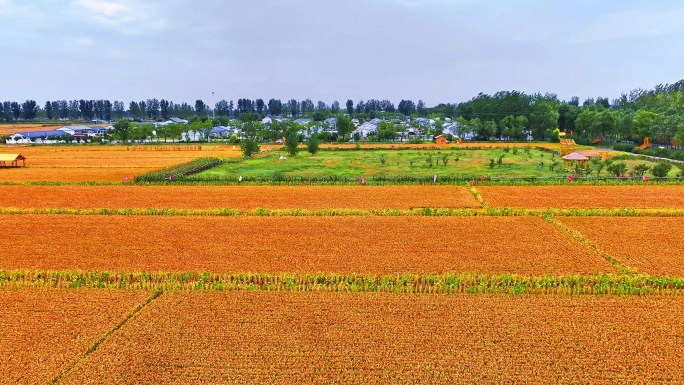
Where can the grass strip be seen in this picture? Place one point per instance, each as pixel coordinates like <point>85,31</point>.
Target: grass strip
<point>419,211</point>
<point>456,283</point>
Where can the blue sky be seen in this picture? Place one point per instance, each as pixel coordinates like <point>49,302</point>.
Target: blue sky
<point>435,50</point>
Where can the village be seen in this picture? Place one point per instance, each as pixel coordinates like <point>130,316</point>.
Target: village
<point>404,130</point>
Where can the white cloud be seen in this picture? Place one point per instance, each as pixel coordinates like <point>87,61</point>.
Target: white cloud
<point>125,16</point>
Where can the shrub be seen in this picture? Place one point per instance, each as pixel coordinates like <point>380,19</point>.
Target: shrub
<point>661,169</point>
<point>617,169</point>
<point>626,147</point>
<point>640,169</point>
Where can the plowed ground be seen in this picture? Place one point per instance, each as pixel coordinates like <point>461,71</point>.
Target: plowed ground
<point>650,245</point>
<point>373,245</point>
<point>264,338</point>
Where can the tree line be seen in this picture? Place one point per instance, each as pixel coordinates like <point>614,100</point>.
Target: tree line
<point>154,109</point>
<point>657,113</point>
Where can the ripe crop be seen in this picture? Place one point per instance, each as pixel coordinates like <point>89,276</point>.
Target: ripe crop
<point>101,163</point>
<point>367,245</point>
<point>236,197</point>
<point>43,331</point>
<point>534,197</point>
<point>649,245</point>
<point>250,338</point>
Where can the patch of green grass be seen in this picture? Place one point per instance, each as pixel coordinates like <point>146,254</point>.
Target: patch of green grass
<point>413,163</point>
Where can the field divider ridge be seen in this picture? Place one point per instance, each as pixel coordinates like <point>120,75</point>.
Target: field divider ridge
<point>426,284</point>
<point>416,211</point>
<point>579,237</point>
<point>104,338</point>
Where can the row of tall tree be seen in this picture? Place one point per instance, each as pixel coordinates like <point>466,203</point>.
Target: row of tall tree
<point>657,113</point>
<point>154,109</point>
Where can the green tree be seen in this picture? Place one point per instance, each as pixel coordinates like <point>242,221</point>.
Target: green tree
<point>543,119</point>
<point>350,106</point>
<point>680,135</point>
<point>344,128</point>
<point>313,144</point>
<point>203,127</point>
<point>488,129</point>
<point>122,130</point>
<point>291,134</point>
<point>250,130</point>
<point>642,123</point>
<point>386,131</point>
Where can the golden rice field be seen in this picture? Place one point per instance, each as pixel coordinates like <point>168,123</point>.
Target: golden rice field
<point>269,338</point>
<point>42,332</point>
<point>650,245</point>
<point>101,163</point>
<point>630,196</point>
<point>237,197</point>
<point>369,245</point>
<point>186,332</point>
<point>71,174</point>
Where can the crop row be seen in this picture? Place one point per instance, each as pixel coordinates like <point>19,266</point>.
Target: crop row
<point>463,283</point>
<point>425,211</point>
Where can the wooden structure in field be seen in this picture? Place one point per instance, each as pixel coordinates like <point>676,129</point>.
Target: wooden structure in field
<point>567,146</point>
<point>12,159</point>
<point>575,158</point>
<point>441,140</point>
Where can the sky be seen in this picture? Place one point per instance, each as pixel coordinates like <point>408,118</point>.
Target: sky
<point>439,51</point>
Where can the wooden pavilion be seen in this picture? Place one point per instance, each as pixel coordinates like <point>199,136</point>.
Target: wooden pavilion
<point>13,160</point>
<point>575,158</point>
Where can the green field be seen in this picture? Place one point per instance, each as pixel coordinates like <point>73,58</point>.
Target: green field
<point>412,163</point>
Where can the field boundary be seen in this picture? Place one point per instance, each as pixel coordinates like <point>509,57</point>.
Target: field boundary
<point>104,338</point>
<point>579,237</point>
<point>419,211</point>
<point>443,284</point>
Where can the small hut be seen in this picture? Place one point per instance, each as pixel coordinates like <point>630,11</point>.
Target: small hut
<point>441,140</point>
<point>13,160</point>
<point>575,158</point>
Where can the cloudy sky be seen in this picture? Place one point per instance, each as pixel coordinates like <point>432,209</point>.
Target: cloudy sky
<point>435,50</point>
